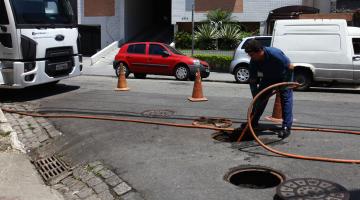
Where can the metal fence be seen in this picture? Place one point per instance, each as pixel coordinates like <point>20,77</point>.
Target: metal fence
<point>207,52</point>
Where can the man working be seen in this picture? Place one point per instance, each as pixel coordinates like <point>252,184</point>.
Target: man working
<point>276,68</point>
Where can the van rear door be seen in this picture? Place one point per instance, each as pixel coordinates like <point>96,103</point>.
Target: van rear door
<point>356,58</point>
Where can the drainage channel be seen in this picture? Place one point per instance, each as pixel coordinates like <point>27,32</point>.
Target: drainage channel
<point>158,113</point>
<point>254,177</point>
<point>52,169</point>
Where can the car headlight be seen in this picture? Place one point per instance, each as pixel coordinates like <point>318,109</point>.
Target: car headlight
<point>196,62</point>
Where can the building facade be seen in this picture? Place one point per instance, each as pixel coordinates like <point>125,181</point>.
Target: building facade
<point>122,20</point>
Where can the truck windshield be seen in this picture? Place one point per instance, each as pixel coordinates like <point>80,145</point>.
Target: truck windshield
<point>43,13</point>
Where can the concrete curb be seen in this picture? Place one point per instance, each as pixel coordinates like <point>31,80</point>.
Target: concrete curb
<point>5,127</point>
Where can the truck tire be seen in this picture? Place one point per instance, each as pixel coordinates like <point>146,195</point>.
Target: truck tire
<point>303,77</point>
<point>242,74</point>
<point>117,69</point>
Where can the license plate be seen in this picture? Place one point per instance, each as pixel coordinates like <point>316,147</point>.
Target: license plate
<point>61,66</point>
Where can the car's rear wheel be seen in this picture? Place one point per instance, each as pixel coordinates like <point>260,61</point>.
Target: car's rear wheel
<point>242,74</point>
<point>182,73</point>
<point>126,68</point>
<point>139,75</point>
<point>303,77</point>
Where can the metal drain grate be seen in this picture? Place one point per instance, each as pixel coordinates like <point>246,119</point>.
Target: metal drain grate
<point>52,169</point>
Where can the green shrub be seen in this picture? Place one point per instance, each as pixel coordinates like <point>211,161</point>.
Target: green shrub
<point>218,63</point>
<point>183,40</point>
<point>206,36</point>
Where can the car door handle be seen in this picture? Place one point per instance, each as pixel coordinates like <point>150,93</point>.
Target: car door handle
<point>356,58</point>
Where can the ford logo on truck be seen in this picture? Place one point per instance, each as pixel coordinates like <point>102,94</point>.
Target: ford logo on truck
<point>59,38</point>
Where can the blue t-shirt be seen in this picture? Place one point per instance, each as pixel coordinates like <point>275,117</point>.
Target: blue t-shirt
<point>275,66</point>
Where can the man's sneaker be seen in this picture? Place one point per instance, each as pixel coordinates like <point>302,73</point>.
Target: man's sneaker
<point>284,133</point>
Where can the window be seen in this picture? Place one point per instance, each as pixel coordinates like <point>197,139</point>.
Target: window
<point>356,44</point>
<point>156,49</point>
<point>3,14</point>
<point>266,42</point>
<point>51,12</point>
<point>137,48</point>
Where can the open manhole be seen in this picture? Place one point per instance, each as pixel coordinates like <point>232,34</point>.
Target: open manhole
<point>232,136</point>
<point>216,122</point>
<point>254,177</point>
<point>52,169</point>
<point>158,113</point>
<point>311,189</point>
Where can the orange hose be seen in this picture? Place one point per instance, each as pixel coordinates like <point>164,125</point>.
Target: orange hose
<point>249,118</point>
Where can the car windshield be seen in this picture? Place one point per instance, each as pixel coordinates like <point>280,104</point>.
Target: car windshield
<point>50,13</point>
<point>172,49</point>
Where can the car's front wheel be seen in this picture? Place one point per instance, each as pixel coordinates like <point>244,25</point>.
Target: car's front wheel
<point>117,69</point>
<point>182,72</point>
<point>242,75</point>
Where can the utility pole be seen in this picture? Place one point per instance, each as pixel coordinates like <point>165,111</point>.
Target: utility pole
<point>192,28</point>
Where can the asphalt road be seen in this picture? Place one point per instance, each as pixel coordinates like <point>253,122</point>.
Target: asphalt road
<point>165,163</point>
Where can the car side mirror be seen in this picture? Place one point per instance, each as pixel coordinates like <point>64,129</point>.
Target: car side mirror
<point>165,53</point>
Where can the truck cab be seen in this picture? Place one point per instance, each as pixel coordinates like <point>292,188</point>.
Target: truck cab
<point>38,42</point>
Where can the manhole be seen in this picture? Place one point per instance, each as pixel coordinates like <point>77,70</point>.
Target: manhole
<point>52,169</point>
<point>311,189</point>
<point>216,122</point>
<point>254,177</point>
<point>228,136</point>
<point>158,113</point>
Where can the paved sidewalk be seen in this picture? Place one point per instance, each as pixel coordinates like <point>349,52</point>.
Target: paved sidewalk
<point>19,180</point>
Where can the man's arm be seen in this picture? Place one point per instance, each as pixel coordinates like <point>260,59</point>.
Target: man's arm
<point>253,79</point>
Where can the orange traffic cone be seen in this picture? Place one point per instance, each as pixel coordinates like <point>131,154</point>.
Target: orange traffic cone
<point>277,111</point>
<point>197,94</point>
<point>122,85</point>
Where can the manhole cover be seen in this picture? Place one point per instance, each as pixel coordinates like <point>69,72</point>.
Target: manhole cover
<point>254,177</point>
<point>311,189</point>
<point>158,113</point>
<point>216,122</point>
<point>52,169</point>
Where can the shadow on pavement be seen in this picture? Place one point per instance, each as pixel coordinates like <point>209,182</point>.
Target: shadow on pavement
<point>355,194</point>
<point>334,90</point>
<point>35,92</point>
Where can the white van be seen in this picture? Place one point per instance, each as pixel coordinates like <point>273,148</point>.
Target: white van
<point>321,50</point>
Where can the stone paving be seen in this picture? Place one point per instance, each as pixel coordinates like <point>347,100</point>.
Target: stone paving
<point>92,181</point>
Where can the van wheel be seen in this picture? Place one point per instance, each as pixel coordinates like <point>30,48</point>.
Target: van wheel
<point>304,78</point>
<point>117,70</point>
<point>182,73</point>
<point>242,74</point>
<point>139,75</point>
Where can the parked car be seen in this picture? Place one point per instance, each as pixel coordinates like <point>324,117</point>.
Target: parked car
<point>239,66</point>
<point>142,58</point>
<point>321,50</point>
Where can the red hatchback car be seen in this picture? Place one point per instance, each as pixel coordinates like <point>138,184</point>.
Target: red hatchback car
<point>142,58</point>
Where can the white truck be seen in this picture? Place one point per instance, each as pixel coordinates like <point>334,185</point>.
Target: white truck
<point>322,50</point>
<point>38,42</point>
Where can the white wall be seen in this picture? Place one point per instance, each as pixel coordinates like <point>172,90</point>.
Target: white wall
<point>253,10</point>
<point>112,27</point>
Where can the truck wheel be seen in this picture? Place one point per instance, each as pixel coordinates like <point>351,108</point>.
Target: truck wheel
<point>182,72</point>
<point>117,70</point>
<point>242,74</point>
<point>139,75</point>
<point>304,78</point>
